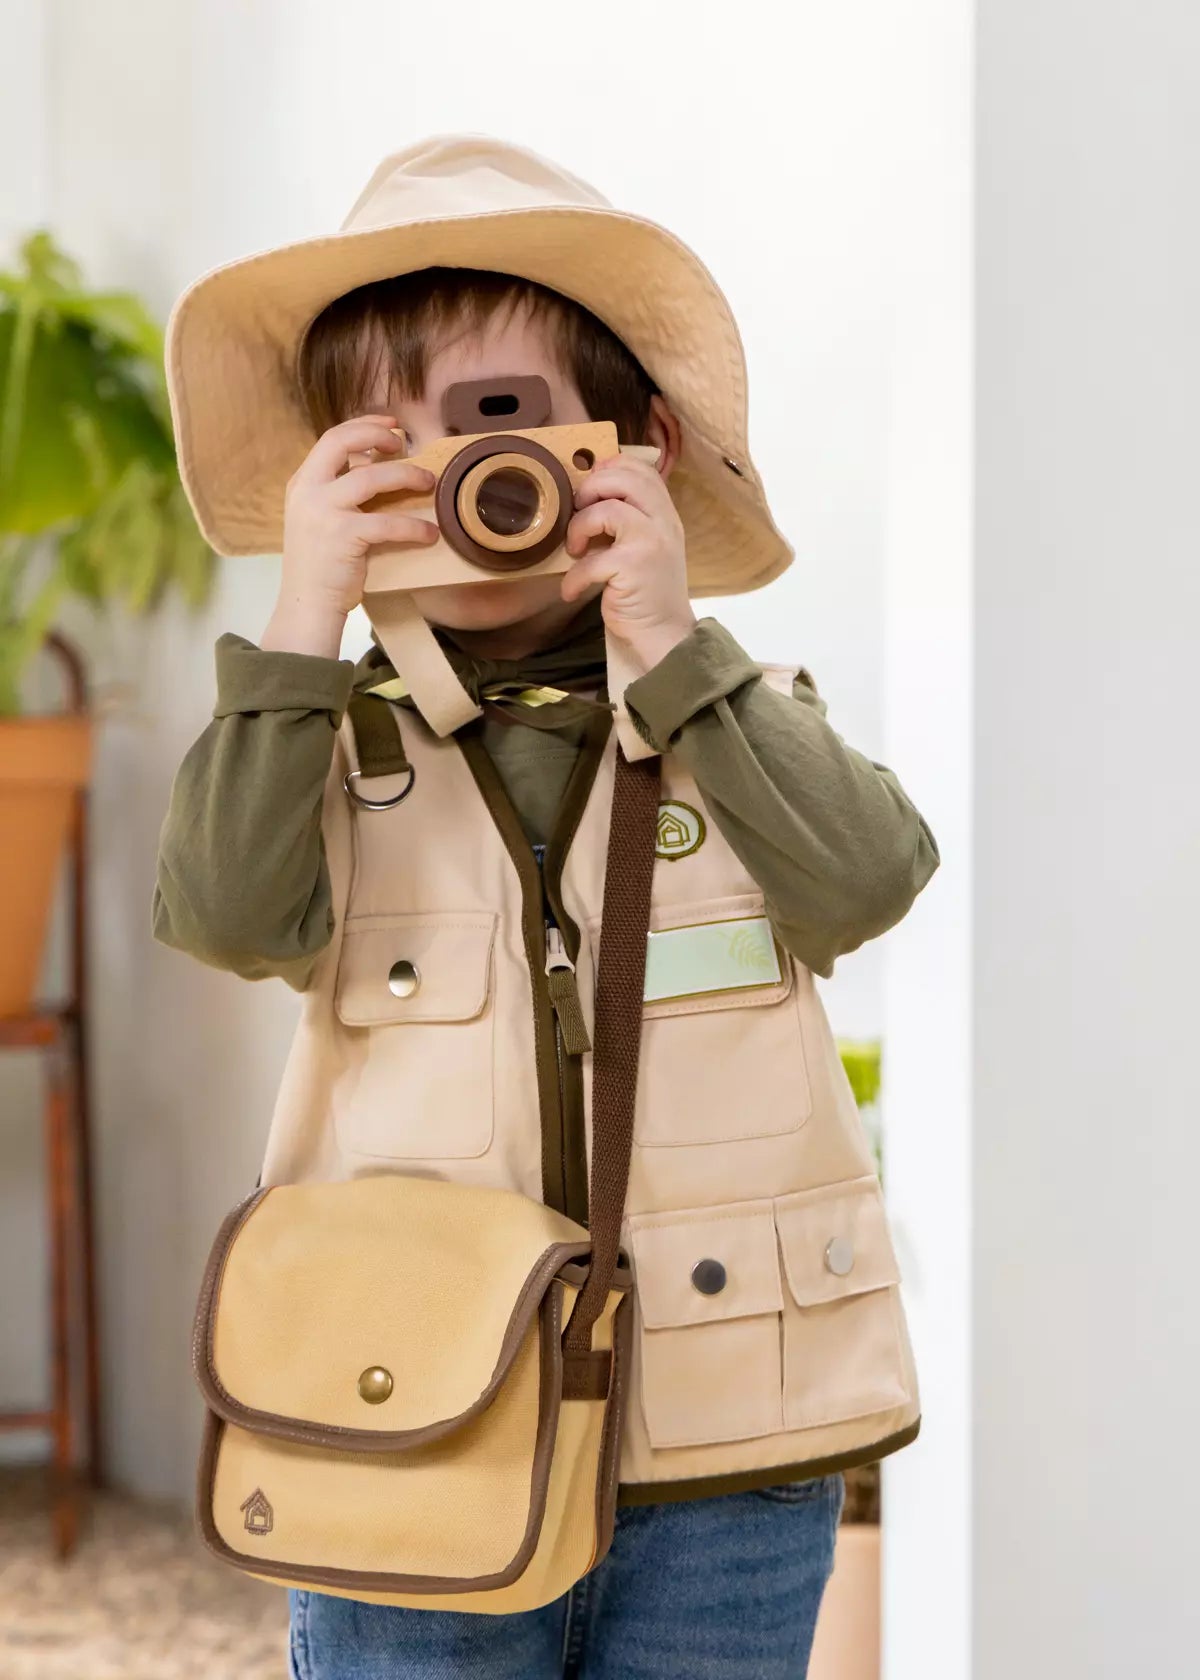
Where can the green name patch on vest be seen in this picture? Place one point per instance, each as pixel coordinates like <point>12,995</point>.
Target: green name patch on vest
<point>729,956</point>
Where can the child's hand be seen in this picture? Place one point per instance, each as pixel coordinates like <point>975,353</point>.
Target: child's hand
<point>326,534</point>
<point>644,568</point>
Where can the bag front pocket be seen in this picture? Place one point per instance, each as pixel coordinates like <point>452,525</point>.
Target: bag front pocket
<point>723,1055</point>
<point>415,992</point>
<point>842,1349</point>
<point>708,1295</point>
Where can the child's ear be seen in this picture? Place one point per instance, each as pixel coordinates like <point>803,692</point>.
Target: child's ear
<point>662,430</point>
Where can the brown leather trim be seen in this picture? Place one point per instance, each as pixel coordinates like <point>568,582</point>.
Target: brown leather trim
<point>222,1243</point>
<point>290,1428</point>
<point>743,1481</point>
<point>379,1581</point>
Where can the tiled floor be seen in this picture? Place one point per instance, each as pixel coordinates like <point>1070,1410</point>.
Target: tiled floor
<point>140,1600</point>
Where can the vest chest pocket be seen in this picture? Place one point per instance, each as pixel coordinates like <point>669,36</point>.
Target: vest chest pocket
<point>415,992</point>
<point>762,1316</point>
<point>723,1055</point>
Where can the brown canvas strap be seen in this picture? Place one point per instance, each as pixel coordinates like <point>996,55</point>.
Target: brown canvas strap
<point>617,1033</point>
<point>620,987</point>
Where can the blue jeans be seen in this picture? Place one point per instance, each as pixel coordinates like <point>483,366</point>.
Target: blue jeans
<point>708,1589</point>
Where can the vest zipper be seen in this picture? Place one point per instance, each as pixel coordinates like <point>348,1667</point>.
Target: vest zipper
<point>555,951</point>
<point>570,1031</point>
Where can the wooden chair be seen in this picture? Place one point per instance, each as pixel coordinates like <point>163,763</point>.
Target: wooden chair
<point>58,1031</point>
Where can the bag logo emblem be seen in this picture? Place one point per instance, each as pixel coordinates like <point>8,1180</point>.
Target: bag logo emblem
<point>260,1518</point>
<point>680,830</point>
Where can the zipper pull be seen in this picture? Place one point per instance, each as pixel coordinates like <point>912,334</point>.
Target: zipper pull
<point>564,993</point>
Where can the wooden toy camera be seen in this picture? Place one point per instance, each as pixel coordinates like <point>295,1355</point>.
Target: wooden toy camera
<point>504,491</point>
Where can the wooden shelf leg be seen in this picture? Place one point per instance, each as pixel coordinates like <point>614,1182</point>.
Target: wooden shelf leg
<point>63,1223</point>
<point>90,1456</point>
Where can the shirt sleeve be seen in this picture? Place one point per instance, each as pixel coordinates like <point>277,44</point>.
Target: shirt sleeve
<point>242,881</point>
<point>837,847</point>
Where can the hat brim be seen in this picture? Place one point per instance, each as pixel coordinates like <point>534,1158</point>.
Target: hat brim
<point>241,432</point>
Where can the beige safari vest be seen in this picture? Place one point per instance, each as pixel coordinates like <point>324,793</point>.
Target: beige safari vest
<point>769,1332</point>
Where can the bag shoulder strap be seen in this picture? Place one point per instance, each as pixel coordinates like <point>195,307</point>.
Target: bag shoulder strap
<point>620,987</point>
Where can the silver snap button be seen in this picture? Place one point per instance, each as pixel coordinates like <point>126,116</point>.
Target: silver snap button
<point>708,1276</point>
<point>839,1256</point>
<point>403,978</point>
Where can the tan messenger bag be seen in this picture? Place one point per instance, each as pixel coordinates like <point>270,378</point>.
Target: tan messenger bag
<point>415,1388</point>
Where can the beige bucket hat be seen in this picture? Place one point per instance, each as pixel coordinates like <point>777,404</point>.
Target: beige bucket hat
<point>467,200</point>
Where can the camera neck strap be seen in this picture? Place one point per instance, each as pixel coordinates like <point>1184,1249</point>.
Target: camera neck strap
<point>433,684</point>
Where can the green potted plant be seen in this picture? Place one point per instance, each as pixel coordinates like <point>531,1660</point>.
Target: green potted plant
<point>847,1644</point>
<point>90,507</point>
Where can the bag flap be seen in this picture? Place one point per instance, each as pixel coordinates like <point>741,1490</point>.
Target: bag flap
<point>835,1241</point>
<point>696,1267</point>
<point>417,967</point>
<point>374,1313</point>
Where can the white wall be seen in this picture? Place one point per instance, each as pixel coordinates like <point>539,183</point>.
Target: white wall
<point>928,629</point>
<point>1087,834</point>
<point>182,136</point>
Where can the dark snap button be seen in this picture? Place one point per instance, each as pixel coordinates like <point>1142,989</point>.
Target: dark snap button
<point>708,1276</point>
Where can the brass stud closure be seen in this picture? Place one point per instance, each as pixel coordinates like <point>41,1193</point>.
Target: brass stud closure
<point>375,1385</point>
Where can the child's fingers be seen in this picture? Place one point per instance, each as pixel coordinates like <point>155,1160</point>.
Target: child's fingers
<point>600,568</point>
<point>327,457</point>
<point>354,488</point>
<point>630,480</point>
<point>607,518</point>
<point>375,528</point>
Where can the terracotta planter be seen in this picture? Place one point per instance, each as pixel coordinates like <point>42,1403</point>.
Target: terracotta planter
<point>44,762</point>
<point>847,1644</point>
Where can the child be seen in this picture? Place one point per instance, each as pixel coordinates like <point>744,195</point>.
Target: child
<point>771,1352</point>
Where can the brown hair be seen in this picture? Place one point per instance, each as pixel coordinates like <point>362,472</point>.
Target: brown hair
<point>401,317</point>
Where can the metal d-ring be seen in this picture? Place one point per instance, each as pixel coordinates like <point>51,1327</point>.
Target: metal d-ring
<point>378,804</point>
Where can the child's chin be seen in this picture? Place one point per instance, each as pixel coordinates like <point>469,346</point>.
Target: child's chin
<point>475,606</point>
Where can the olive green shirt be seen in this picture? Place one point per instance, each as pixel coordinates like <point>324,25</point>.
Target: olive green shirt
<point>831,838</point>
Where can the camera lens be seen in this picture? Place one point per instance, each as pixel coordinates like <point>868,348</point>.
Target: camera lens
<point>508,501</point>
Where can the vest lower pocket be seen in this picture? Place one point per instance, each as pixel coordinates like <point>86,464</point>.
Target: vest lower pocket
<point>708,1294</point>
<point>763,1316</point>
<point>414,993</point>
<point>842,1339</point>
<point>723,1056</point>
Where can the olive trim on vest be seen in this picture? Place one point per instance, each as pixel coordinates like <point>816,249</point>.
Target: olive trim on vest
<point>560,1097</point>
<point>745,1481</point>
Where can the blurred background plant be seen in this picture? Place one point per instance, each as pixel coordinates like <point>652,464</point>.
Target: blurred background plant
<point>863,1062</point>
<point>90,500</point>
